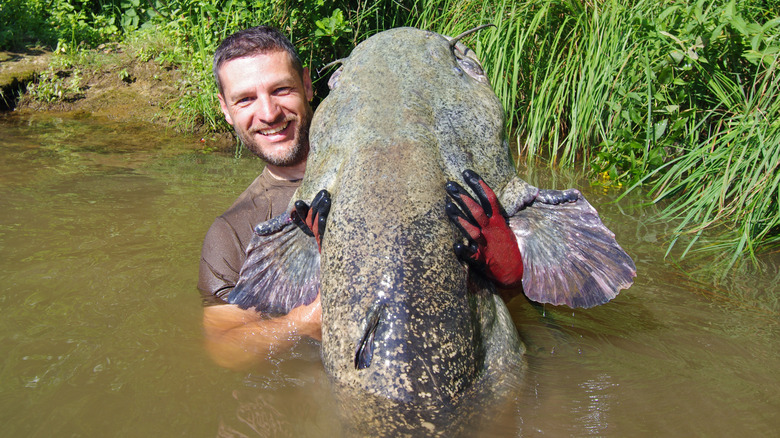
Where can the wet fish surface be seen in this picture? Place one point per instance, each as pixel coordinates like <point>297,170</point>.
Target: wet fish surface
<point>416,342</point>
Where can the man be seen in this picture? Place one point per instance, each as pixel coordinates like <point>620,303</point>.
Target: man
<point>264,93</point>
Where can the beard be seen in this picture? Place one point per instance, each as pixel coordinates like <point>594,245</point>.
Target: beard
<point>294,155</point>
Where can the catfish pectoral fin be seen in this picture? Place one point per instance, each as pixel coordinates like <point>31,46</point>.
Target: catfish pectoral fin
<point>365,349</point>
<point>282,269</point>
<point>570,257</point>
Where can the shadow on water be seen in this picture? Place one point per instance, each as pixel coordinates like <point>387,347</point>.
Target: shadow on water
<point>100,233</point>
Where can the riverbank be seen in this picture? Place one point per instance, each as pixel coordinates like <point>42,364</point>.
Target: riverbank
<point>17,69</point>
<point>109,82</point>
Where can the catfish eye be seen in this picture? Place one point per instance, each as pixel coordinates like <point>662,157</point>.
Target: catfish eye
<point>471,68</point>
<point>470,65</point>
<point>333,82</point>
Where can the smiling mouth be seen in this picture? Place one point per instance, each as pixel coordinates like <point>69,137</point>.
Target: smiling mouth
<point>278,129</point>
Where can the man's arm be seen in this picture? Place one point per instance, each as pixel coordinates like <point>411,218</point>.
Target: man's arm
<point>237,338</point>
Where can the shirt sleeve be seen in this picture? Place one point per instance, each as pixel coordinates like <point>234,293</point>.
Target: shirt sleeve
<point>224,247</point>
<point>220,262</point>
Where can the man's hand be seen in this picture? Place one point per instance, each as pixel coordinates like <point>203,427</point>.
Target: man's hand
<point>312,219</point>
<point>492,246</point>
<point>307,319</point>
<point>237,339</point>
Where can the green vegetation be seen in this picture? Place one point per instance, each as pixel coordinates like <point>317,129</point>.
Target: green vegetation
<point>677,97</point>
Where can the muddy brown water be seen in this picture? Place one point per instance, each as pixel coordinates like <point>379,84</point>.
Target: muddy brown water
<point>100,334</point>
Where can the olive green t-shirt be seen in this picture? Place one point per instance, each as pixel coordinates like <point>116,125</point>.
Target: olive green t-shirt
<point>224,248</point>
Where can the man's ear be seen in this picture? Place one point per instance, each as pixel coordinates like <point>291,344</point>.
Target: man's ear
<point>223,106</point>
<point>307,84</point>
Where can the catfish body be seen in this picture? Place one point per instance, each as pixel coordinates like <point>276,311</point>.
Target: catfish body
<point>401,120</point>
<point>414,338</point>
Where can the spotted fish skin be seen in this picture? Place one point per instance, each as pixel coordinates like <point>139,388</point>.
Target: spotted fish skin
<point>415,342</point>
<point>403,118</point>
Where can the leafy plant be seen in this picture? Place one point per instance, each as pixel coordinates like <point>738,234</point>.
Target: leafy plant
<point>56,85</point>
<point>23,22</point>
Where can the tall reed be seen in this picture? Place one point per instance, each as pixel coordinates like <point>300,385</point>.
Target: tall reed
<point>732,178</point>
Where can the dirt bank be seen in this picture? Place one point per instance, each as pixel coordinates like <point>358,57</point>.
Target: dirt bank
<point>109,82</point>
<point>16,70</point>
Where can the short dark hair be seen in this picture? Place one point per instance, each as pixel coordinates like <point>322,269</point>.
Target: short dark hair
<point>254,41</point>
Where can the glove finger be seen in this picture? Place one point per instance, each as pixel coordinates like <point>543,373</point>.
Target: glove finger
<point>318,198</point>
<point>467,204</point>
<point>468,253</point>
<point>472,232</point>
<point>300,216</point>
<point>321,203</point>
<point>487,198</point>
<point>458,218</point>
<point>477,212</point>
<point>322,213</point>
<point>296,218</point>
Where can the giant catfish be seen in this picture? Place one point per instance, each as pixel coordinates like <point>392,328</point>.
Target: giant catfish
<point>414,336</point>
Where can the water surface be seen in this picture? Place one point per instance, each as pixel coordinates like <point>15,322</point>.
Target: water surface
<point>100,233</point>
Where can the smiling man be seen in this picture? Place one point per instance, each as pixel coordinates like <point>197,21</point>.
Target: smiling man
<point>264,93</point>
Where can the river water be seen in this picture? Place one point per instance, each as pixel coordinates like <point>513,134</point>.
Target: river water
<point>100,334</point>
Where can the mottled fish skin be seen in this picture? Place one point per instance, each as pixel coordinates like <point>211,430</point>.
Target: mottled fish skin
<point>402,119</point>
<point>417,343</point>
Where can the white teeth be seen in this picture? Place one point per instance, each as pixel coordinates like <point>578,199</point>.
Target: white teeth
<point>274,130</point>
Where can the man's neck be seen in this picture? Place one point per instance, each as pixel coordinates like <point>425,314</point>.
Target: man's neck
<point>287,173</point>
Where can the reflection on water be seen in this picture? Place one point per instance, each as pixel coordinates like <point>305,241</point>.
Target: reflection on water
<point>100,233</point>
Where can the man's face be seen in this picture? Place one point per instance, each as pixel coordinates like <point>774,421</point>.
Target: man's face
<point>267,103</point>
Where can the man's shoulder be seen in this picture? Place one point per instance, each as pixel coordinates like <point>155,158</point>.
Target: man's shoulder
<point>224,247</point>
<point>264,196</point>
<point>257,187</point>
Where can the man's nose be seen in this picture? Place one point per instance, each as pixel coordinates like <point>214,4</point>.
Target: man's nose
<point>268,110</point>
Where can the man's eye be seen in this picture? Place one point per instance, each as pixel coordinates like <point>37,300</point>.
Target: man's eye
<point>282,91</point>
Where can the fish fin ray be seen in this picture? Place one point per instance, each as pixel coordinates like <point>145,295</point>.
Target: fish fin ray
<point>281,271</point>
<point>569,256</point>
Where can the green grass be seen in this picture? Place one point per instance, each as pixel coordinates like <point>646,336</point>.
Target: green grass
<point>732,178</point>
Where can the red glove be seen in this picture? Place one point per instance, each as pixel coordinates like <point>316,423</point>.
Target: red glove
<point>492,246</point>
<point>312,219</point>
